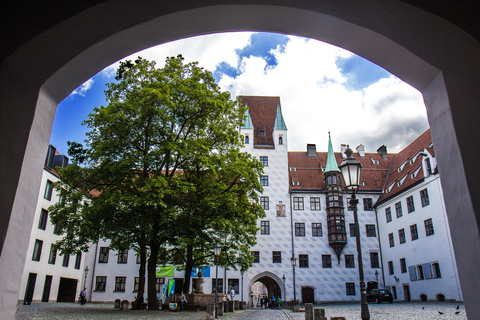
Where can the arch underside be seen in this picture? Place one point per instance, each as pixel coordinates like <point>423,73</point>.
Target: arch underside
<point>434,56</point>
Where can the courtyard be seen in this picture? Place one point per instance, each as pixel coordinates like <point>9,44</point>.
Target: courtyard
<point>397,310</point>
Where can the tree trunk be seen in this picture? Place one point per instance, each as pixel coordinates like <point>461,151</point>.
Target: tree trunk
<point>152,276</point>
<point>188,269</point>
<point>141,272</point>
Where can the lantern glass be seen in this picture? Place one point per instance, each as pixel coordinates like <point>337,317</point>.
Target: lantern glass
<point>293,261</point>
<point>217,249</point>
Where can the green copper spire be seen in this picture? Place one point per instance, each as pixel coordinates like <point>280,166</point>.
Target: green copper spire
<point>331,162</point>
<point>247,124</point>
<point>279,123</point>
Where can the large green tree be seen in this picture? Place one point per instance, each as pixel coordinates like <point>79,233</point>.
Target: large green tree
<point>162,159</point>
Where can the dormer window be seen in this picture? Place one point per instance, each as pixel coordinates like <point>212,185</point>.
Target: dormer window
<point>262,133</point>
<point>295,183</point>
<point>292,169</point>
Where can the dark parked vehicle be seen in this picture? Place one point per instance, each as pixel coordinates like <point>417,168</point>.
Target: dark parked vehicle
<point>379,295</point>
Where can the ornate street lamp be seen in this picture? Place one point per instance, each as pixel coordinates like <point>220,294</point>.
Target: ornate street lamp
<point>216,251</point>
<point>351,176</point>
<point>293,261</point>
<point>86,272</point>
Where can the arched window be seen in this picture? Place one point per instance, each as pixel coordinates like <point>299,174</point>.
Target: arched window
<point>280,140</point>
<point>247,139</point>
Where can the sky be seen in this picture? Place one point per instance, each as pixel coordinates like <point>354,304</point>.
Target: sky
<point>322,89</point>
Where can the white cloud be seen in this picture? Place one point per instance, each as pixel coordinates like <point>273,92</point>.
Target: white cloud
<point>82,90</point>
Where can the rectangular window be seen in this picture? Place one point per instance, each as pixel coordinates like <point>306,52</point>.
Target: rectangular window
<point>353,232</point>
<point>390,267</point>
<point>436,270</point>
<point>388,214</point>
<point>219,286</point>
<point>57,229</point>
<point>403,265</point>
<point>66,260</point>
<point>158,282</point>
<point>235,283</point>
<point>78,260</point>
<point>349,261</point>
<point>350,288</point>
<point>314,203</point>
<point>277,257</point>
<point>428,166</point>
<point>256,256</point>
<point>303,260</point>
<point>52,257</point>
<point>37,250</point>
<point>139,258</point>
<point>264,181</point>
<point>136,284</point>
<point>410,204</point>
<point>374,261</point>
<point>300,229</point>
<point>401,235</point>
<point>391,240</point>
<point>370,230</point>
<point>424,197</point>
<point>429,227</point>
<point>265,227</point>
<point>122,257</point>
<point>297,203</point>
<point>100,283</point>
<point>264,160</point>
<point>414,232</point>
<point>42,222</point>
<point>48,190</point>
<point>398,209</point>
<point>420,275</point>
<point>326,261</point>
<point>265,202</point>
<point>317,230</point>
<point>103,256</point>
<point>367,204</point>
<point>120,283</point>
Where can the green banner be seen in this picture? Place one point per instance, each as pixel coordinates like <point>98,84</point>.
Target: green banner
<point>166,271</point>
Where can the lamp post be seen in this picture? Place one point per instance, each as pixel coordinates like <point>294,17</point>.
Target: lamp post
<point>241,273</point>
<point>293,261</point>
<point>351,176</point>
<point>86,272</point>
<point>284,291</point>
<point>216,251</point>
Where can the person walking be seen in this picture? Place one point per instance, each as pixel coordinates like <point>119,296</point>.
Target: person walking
<point>83,296</point>
<point>261,303</point>
<point>279,303</point>
<point>232,294</point>
<point>273,302</point>
<point>183,300</point>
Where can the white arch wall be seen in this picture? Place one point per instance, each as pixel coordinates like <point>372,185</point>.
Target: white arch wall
<point>270,275</point>
<point>431,54</point>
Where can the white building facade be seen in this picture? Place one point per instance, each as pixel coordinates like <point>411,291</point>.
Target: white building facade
<point>48,276</point>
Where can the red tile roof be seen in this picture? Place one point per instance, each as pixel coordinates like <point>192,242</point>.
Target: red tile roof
<point>262,111</point>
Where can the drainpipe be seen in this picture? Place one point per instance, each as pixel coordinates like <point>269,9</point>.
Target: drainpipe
<point>93,272</point>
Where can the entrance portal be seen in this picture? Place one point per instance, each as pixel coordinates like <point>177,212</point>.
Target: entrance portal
<point>67,290</point>
<point>274,288</point>
<point>308,295</point>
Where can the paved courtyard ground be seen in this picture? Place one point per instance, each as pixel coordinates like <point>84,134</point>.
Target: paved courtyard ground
<point>394,311</point>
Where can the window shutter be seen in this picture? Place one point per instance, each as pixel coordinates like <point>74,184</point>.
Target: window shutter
<point>412,272</point>
<point>427,271</point>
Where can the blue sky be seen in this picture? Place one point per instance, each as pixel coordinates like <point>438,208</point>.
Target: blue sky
<point>322,88</point>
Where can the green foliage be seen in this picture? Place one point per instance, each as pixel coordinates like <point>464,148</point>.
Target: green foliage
<point>163,168</point>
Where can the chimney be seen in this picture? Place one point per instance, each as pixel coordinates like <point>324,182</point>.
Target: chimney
<point>361,151</point>
<point>383,151</point>
<point>343,147</point>
<point>311,150</point>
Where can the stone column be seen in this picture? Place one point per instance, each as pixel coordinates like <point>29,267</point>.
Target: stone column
<point>210,311</point>
<point>230,306</point>
<point>220,309</point>
<point>319,314</point>
<point>308,311</point>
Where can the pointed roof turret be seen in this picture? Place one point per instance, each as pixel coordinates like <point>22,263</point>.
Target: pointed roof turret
<point>279,123</point>
<point>247,124</point>
<point>331,162</point>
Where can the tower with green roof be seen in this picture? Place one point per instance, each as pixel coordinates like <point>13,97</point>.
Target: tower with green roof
<point>337,235</point>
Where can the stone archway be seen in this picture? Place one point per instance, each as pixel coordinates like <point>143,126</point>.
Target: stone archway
<point>428,52</point>
<point>273,283</point>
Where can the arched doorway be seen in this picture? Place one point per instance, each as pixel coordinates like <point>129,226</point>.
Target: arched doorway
<point>273,284</point>
<point>428,52</point>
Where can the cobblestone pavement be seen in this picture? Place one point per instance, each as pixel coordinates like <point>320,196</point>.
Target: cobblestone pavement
<point>400,311</point>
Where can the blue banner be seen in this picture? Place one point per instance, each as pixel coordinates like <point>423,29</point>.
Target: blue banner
<point>205,271</point>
